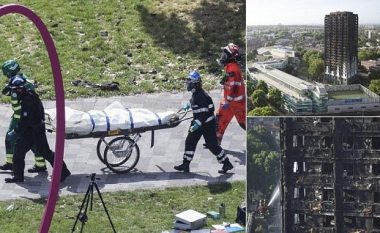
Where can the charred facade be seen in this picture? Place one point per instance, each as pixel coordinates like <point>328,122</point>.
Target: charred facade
<point>341,47</point>
<point>330,174</point>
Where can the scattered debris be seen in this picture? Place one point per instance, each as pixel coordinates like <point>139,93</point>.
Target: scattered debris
<point>112,86</point>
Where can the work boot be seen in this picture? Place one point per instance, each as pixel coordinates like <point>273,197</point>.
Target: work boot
<point>36,169</point>
<point>14,180</point>
<point>184,167</point>
<point>226,166</point>
<point>65,173</point>
<point>6,166</point>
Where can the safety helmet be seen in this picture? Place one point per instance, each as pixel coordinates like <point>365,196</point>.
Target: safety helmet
<point>10,68</point>
<point>194,81</point>
<point>230,54</point>
<point>17,82</point>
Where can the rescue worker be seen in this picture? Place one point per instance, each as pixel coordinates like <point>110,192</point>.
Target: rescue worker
<point>203,124</point>
<point>11,69</point>
<point>30,131</point>
<point>233,102</point>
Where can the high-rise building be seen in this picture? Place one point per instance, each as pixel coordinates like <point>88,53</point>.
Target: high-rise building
<point>341,47</point>
<point>330,174</point>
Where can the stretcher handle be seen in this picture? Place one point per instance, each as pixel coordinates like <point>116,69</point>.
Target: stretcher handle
<point>183,114</point>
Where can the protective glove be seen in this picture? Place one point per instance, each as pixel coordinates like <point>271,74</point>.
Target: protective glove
<point>11,133</point>
<point>6,90</point>
<point>225,105</point>
<point>195,126</point>
<point>186,107</point>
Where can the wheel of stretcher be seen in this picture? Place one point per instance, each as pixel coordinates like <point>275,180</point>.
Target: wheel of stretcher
<point>100,149</point>
<point>121,155</point>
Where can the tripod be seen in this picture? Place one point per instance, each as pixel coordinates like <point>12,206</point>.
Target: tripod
<point>82,215</point>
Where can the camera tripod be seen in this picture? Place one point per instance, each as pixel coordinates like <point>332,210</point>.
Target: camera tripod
<point>82,215</point>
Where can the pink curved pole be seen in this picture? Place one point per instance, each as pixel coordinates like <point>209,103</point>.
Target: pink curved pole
<point>59,103</point>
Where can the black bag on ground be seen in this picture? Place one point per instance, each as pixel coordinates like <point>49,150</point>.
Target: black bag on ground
<point>241,212</point>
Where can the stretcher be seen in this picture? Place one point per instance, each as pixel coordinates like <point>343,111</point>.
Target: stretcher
<point>124,126</point>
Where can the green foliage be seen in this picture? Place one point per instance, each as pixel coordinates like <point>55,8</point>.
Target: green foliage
<point>316,67</point>
<point>258,98</point>
<point>262,111</point>
<point>143,45</point>
<point>138,211</point>
<point>250,86</point>
<point>311,55</point>
<point>262,86</point>
<point>375,86</point>
<point>369,54</point>
<point>374,74</point>
<point>263,160</point>
<point>275,97</point>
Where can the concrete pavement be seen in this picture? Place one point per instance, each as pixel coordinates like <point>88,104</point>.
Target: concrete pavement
<point>155,168</point>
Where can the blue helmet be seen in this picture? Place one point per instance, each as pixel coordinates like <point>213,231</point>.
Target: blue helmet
<point>193,81</point>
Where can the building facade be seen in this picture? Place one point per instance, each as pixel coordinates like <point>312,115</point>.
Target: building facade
<point>330,174</point>
<point>341,47</point>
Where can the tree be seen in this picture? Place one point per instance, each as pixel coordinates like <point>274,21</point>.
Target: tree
<point>375,86</point>
<point>262,86</point>
<point>316,68</point>
<point>262,111</point>
<point>310,54</point>
<point>263,160</point>
<point>275,97</point>
<point>258,98</point>
<point>250,86</point>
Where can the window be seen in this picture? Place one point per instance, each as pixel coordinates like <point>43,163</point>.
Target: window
<point>348,169</point>
<point>328,221</point>
<point>327,168</point>
<point>376,197</point>
<point>349,195</point>
<point>376,169</point>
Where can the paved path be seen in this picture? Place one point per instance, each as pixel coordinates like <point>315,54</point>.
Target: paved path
<point>155,168</point>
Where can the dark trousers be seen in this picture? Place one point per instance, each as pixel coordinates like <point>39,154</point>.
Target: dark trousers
<point>26,140</point>
<point>208,131</point>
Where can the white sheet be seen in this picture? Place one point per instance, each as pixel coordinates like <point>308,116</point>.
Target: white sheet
<point>115,116</point>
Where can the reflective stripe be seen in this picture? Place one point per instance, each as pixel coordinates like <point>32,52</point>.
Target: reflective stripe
<point>14,101</point>
<point>9,158</point>
<point>38,158</point>
<point>221,160</point>
<point>18,107</point>
<point>198,122</point>
<point>194,106</point>
<point>40,164</point>
<point>200,110</point>
<point>209,119</point>
<point>16,116</point>
<point>189,152</point>
<point>235,98</point>
<point>211,106</point>
<point>221,154</point>
<point>188,158</point>
<point>235,83</point>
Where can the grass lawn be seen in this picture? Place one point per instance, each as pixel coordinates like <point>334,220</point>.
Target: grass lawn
<point>144,45</point>
<point>138,211</point>
<point>340,95</point>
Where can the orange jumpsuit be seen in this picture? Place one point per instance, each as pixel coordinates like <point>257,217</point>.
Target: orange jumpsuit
<point>233,101</point>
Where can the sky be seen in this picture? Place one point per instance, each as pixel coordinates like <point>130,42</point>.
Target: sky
<point>290,12</point>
